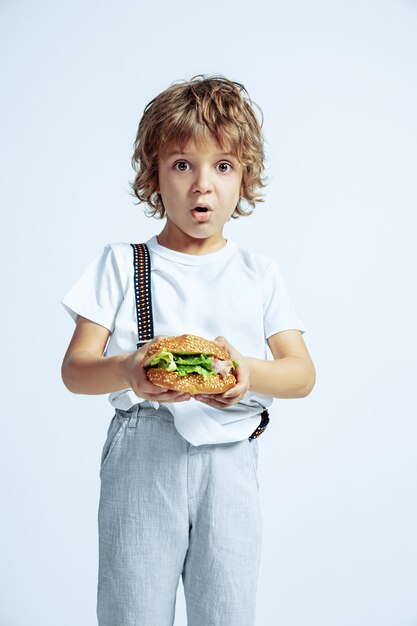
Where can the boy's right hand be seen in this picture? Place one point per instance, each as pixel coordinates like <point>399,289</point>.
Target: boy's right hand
<point>136,376</point>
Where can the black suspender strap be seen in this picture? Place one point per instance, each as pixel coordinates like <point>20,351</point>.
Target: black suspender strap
<point>142,267</point>
<point>264,423</point>
<point>143,295</point>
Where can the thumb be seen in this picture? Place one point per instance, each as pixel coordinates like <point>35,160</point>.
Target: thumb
<point>221,341</point>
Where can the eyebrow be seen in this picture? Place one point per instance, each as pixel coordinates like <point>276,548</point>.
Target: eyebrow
<point>170,154</point>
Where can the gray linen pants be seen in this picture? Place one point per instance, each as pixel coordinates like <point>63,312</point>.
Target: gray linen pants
<point>169,509</point>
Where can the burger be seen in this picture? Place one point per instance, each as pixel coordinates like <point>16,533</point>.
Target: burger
<point>190,364</point>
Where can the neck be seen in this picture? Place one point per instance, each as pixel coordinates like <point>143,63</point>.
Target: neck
<point>180,242</point>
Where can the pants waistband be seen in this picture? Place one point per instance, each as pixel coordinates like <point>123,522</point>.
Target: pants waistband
<point>145,409</point>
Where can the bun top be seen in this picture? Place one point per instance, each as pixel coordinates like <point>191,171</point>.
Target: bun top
<point>186,344</point>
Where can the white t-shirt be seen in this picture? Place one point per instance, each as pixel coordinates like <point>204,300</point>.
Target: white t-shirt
<point>231,292</point>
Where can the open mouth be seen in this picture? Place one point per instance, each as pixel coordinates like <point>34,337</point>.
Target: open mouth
<point>201,213</point>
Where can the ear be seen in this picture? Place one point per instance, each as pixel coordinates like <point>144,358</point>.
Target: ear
<point>241,193</point>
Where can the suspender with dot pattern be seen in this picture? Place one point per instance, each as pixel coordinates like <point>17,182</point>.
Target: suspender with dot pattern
<point>264,423</point>
<point>142,278</point>
<point>142,266</point>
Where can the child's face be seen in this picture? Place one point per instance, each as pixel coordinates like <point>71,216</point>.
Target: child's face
<point>201,174</point>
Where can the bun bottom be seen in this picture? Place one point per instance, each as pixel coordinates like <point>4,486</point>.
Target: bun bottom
<point>192,383</point>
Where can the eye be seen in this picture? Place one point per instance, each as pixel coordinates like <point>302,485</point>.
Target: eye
<point>180,163</point>
<point>222,164</point>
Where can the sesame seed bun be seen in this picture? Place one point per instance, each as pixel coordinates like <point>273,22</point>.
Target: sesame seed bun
<point>186,344</point>
<point>192,383</point>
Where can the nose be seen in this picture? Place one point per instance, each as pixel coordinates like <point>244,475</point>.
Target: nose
<point>202,181</point>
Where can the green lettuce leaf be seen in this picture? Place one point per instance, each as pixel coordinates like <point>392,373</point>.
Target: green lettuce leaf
<point>194,359</point>
<point>183,370</point>
<point>164,360</point>
<point>184,364</point>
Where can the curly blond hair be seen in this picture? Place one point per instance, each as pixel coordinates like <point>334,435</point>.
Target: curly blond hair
<point>192,109</point>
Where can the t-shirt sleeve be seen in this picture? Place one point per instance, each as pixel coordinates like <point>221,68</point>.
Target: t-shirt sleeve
<point>279,311</point>
<point>98,293</point>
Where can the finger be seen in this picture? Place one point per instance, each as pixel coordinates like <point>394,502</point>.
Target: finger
<point>183,398</point>
<point>233,393</point>
<point>209,400</point>
<point>154,390</point>
<point>166,393</point>
<point>171,396</point>
<point>204,399</point>
<point>178,392</point>
<point>150,387</point>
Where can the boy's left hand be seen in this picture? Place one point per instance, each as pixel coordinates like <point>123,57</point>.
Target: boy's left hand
<point>242,375</point>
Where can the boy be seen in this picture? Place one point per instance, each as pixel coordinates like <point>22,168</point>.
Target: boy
<point>179,484</point>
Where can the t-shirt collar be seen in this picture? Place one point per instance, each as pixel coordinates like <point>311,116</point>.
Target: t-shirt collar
<point>192,259</point>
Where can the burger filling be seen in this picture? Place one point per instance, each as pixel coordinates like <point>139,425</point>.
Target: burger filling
<point>184,364</point>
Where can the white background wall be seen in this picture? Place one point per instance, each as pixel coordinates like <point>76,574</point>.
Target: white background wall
<point>337,85</point>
